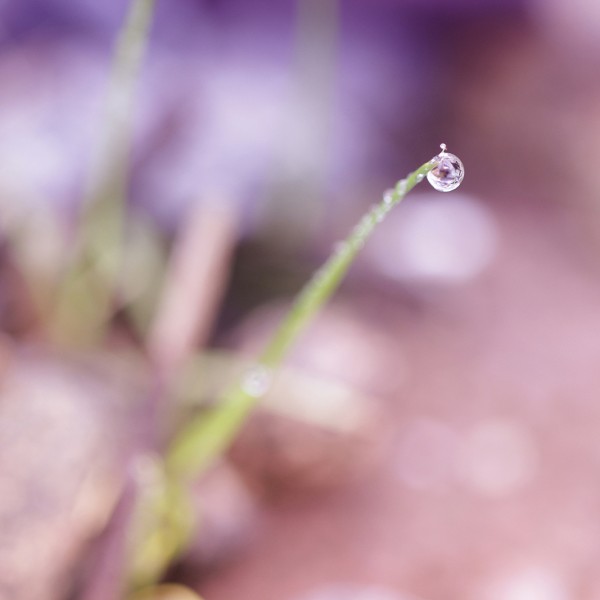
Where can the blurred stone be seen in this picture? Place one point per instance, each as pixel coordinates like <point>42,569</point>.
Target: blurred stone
<point>226,513</point>
<point>318,426</point>
<point>279,454</point>
<point>60,444</point>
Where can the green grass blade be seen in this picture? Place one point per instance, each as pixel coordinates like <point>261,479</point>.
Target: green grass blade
<point>207,436</point>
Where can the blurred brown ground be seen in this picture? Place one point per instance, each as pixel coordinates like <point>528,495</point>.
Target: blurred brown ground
<point>488,487</point>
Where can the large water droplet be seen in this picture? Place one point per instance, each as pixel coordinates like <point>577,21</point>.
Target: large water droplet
<point>448,172</point>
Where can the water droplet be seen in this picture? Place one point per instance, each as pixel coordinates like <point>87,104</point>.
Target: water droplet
<point>257,381</point>
<point>448,172</point>
<point>420,177</point>
<point>401,187</point>
<point>364,226</point>
<point>388,196</point>
<point>380,213</point>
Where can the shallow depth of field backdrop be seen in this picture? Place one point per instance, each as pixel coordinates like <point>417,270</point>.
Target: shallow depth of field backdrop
<point>435,435</point>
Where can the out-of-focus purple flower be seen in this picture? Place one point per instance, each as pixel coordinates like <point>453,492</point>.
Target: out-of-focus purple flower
<point>48,109</point>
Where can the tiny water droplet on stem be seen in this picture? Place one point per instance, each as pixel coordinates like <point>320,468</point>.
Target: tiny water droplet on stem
<point>257,381</point>
<point>388,196</point>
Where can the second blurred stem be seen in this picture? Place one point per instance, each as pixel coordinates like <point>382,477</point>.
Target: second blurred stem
<point>85,299</point>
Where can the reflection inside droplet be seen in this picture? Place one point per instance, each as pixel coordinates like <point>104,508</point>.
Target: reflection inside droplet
<point>448,172</point>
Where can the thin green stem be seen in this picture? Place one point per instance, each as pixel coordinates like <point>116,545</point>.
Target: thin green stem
<point>207,436</point>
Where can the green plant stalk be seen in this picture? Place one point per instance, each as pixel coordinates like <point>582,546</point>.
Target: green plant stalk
<point>207,436</point>
<point>84,303</point>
